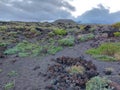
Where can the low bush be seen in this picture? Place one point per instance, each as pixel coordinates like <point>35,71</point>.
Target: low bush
<point>68,41</point>
<point>60,32</point>
<point>98,83</point>
<point>25,48</point>
<point>86,37</point>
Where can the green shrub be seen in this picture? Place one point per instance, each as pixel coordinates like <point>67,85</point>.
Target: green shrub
<point>117,34</point>
<point>9,86</point>
<point>25,48</point>
<point>98,83</point>
<point>105,51</point>
<point>68,41</point>
<point>86,37</point>
<point>60,32</point>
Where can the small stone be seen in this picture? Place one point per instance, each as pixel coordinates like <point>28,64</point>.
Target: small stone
<point>36,68</point>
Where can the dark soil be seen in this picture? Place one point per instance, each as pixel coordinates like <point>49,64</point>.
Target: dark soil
<point>32,71</point>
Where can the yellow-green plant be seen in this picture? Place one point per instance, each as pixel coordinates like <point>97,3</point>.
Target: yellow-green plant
<point>105,51</point>
<point>76,69</point>
<point>60,32</point>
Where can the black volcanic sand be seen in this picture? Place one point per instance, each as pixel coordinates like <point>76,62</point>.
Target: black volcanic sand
<point>32,71</point>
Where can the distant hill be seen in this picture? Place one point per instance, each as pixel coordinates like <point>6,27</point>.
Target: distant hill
<point>65,21</point>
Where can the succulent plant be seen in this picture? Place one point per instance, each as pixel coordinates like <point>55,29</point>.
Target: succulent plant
<point>98,83</point>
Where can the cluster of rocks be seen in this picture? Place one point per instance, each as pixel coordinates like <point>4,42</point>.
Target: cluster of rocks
<point>63,80</point>
<point>66,24</point>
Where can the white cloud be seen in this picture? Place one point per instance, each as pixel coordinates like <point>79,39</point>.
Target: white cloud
<point>84,5</point>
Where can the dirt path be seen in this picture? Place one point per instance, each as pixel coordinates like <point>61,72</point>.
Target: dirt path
<point>29,69</point>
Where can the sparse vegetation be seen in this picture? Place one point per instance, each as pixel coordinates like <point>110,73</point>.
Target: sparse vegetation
<point>12,73</point>
<point>25,48</point>
<point>106,51</point>
<point>36,41</point>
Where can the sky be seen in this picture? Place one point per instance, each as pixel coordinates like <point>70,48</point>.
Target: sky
<point>83,11</point>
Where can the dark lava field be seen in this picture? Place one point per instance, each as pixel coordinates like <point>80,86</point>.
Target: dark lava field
<point>61,55</point>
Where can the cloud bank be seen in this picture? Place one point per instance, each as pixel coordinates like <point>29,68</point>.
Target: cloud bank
<point>100,15</point>
<point>47,10</point>
<point>34,10</point>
